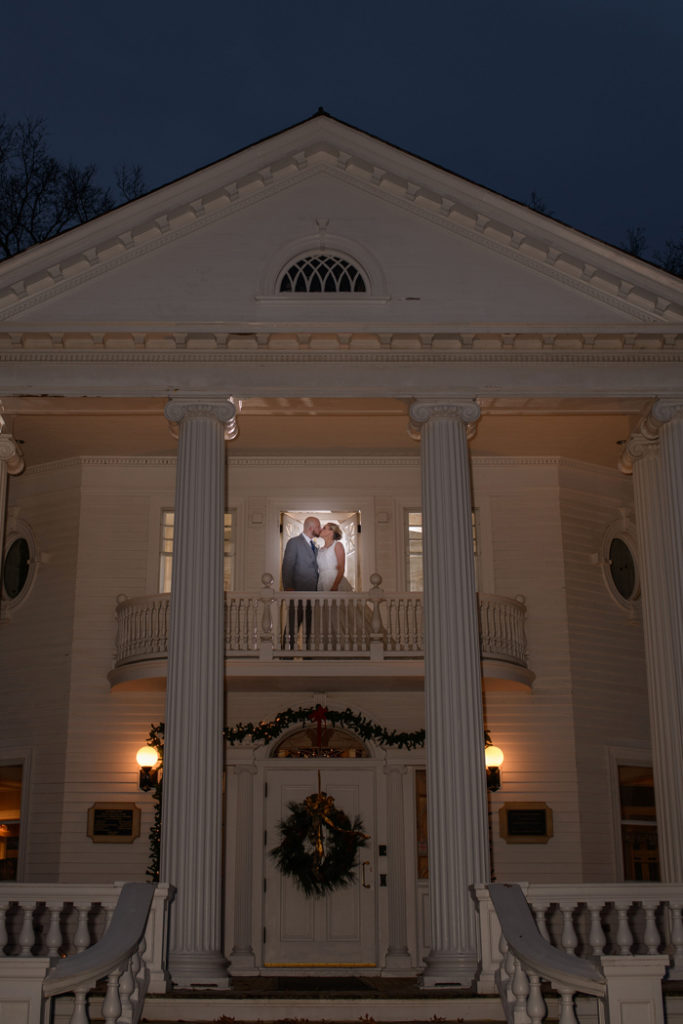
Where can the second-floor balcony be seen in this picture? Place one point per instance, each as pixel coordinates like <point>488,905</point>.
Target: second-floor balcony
<point>348,639</point>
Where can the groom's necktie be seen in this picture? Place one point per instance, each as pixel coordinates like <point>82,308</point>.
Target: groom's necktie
<point>313,549</point>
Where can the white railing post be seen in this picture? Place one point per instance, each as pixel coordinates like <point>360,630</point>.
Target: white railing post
<point>634,988</point>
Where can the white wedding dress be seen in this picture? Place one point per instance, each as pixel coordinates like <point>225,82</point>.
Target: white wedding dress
<point>327,569</point>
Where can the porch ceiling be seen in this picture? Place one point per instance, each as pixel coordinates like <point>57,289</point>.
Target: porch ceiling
<point>57,428</point>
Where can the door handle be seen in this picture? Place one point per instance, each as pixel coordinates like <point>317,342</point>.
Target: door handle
<point>366,885</point>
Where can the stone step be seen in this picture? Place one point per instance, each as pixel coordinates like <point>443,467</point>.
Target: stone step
<point>313,1007</point>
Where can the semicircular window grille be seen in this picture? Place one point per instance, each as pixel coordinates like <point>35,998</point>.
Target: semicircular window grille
<point>323,273</point>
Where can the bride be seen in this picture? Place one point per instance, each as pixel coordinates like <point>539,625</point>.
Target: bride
<point>332,560</point>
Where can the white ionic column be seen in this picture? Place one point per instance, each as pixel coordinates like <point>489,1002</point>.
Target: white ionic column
<point>654,454</point>
<point>242,954</point>
<point>456,776</point>
<point>398,957</point>
<point>193,746</point>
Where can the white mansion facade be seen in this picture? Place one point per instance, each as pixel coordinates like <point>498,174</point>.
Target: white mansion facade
<point>491,404</point>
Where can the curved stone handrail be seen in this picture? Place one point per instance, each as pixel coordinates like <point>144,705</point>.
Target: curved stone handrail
<point>528,945</point>
<point>118,956</point>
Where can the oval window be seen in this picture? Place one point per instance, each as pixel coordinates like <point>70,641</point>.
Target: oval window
<point>622,568</point>
<point>16,568</point>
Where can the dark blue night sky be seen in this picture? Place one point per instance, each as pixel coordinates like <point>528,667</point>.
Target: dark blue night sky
<point>577,100</point>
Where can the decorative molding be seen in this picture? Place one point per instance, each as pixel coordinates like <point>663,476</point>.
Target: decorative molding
<point>348,353</point>
<point>425,342</point>
<point>180,410</point>
<point>307,461</point>
<point>445,211</point>
<point>644,441</point>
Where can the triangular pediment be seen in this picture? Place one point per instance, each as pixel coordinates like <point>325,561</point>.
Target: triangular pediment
<point>435,249</point>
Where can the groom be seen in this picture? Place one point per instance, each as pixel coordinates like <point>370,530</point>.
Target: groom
<point>300,572</point>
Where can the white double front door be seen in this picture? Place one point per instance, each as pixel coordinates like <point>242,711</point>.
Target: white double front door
<point>339,929</point>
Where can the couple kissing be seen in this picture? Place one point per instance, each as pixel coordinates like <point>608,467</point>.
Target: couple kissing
<point>306,566</point>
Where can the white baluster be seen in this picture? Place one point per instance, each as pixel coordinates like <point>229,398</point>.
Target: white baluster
<point>80,1012</point>
<point>82,936</point>
<point>520,990</point>
<point>111,1004</point>
<point>541,924</point>
<point>26,935</point>
<point>142,963</point>
<point>535,1004</point>
<point>126,989</point>
<point>510,974</point>
<point>651,937</point>
<point>53,939</point>
<point>596,937</point>
<point>569,938</point>
<point>676,932</point>
<point>567,1015</point>
<point>624,937</point>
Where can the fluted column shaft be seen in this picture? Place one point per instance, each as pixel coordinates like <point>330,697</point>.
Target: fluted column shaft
<point>398,957</point>
<point>655,456</point>
<point>456,789</point>
<point>193,749</point>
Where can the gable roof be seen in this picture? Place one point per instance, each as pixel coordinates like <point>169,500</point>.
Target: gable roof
<point>598,274</point>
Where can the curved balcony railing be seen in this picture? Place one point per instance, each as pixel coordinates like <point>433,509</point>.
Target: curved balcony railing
<point>372,625</point>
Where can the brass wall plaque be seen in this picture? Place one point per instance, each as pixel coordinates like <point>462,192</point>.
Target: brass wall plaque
<point>113,822</point>
<point>528,822</point>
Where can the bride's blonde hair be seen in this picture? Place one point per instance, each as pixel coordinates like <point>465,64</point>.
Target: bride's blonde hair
<point>336,530</point>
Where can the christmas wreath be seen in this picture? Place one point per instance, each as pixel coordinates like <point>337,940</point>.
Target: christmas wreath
<point>318,845</point>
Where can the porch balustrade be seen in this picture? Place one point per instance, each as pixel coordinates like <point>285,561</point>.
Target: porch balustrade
<point>372,625</point>
<point>59,920</point>
<point>590,921</point>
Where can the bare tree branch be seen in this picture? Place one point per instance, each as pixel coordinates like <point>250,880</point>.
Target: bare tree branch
<point>40,196</point>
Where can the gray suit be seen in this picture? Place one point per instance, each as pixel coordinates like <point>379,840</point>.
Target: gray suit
<point>299,572</point>
<point>299,565</point>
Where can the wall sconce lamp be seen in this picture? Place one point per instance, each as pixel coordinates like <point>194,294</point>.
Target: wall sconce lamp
<point>148,760</point>
<point>494,758</point>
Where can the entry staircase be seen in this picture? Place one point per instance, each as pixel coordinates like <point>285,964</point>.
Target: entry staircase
<point>571,954</point>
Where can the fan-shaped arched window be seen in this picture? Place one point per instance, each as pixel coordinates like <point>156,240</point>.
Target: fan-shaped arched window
<point>323,272</point>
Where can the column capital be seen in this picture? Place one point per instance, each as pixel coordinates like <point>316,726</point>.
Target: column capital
<point>644,440</point>
<point>11,454</point>
<point>217,407</point>
<point>422,410</point>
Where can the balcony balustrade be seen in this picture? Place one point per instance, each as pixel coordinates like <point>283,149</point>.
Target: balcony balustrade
<point>284,626</point>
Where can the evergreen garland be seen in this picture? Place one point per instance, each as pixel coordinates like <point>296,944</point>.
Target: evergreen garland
<point>156,740</point>
<point>366,729</point>
<point>318,845</point>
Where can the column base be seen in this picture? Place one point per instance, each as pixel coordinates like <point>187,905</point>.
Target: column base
<point>243,962</point>
<point>449,969</point>
<point>198,970</point>
<point>398,962</point>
